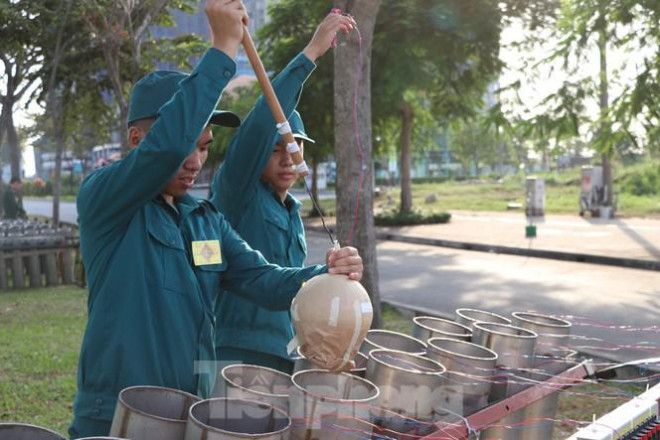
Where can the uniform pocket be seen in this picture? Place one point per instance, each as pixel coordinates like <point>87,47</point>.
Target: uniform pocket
<point>278,223</point>
<point>303,244</point>
<point>176,275</point>
<point>278,231</point>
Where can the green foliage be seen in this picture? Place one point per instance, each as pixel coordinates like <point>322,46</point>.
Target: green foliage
<point>39,188</point>
<point>589,29</point>
<point>240,101</point>
<point>645,181</point>
<point>446,51</point>
<point>177,51</point>
<point>473,141</point>
<point>83,79</point>
<point>415,217</point>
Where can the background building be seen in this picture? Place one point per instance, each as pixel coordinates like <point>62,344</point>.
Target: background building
<point>197,24</point>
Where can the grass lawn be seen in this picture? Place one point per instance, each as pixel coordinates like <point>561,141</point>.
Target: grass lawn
<point>40,335</point>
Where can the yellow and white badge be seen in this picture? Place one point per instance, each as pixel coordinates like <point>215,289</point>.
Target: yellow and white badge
<point>206,252</point>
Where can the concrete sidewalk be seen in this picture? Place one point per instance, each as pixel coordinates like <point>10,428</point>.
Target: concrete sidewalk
<point>631,243</point>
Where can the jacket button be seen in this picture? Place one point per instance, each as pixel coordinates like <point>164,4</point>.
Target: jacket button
<point>227,74</point>
<point>97,412</point>
<point>99,401</point>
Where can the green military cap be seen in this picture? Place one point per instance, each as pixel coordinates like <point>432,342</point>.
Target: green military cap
<point>298,128</point>
<point>155,89</point>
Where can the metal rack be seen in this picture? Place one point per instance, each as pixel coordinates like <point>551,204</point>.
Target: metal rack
<point>506,407</point>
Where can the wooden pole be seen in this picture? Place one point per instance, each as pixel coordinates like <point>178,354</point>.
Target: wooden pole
<point>17,270</point>
<point>34,268</point>
<point>269,93</point>
<point>3,271</point>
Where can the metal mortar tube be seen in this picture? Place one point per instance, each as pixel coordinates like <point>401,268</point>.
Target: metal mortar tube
<point>301,363</point>
<point>541,414</point>
<point>146,412</point>
<point>329,406</point>
<point>24,431</point>
<point>410,385</point>
<point>515,350</point>
<point>469,374</point>
<point>514,345</point>
<point>427,327</point>
<point>389,340</point>
<point>553,333</point>
<point>255,382</point>
<point>231,419</point>
<point>468,317</point>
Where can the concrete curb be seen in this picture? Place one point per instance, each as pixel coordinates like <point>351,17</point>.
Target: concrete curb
<point>498,249</point>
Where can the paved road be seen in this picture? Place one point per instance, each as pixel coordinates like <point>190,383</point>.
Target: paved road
<point>68,212</point>
<point>596,297</point>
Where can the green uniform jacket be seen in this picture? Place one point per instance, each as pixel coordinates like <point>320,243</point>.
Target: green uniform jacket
<point>12,205</point>
<point>258,215</point>
<point>150,309</point>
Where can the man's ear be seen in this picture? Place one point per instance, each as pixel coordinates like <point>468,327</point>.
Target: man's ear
<point>135,135</point>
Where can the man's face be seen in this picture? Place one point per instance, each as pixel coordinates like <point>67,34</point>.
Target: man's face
<point>184,179</point>
<point>16,186</point>
<point>279,172</point>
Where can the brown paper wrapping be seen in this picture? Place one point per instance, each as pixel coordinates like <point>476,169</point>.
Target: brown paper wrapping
<point>331,314</point>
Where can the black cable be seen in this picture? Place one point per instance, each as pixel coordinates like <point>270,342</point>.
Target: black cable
<point>318,209</point>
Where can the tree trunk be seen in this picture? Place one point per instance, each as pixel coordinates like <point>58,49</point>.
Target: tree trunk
<point>2,132</point>
<point>604,104</point>
<point>56,106</point>
<point>353,142</point>
<point>57,178</point>
<point>406,157</point>
<point>315,179</point>
<point>14,147</point>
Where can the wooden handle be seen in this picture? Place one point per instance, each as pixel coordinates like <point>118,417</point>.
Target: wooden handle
<point>269,93</point>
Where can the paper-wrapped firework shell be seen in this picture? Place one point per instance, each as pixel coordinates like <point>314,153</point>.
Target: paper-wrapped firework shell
<point>331,315</point>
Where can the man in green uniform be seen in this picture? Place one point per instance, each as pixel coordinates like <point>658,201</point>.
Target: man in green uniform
<point>156,258</point>
<point>251,190</point>
<point>11,200</point>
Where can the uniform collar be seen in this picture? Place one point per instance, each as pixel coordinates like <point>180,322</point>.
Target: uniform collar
<point>293,203</point>
<point>290,202</point>
<point>184,204</point>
